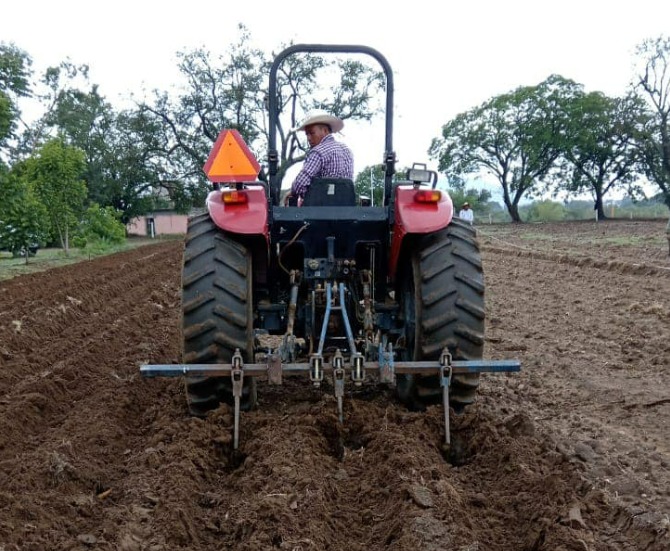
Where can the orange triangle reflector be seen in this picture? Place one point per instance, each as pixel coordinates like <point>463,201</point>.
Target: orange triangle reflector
<point>231,160</point>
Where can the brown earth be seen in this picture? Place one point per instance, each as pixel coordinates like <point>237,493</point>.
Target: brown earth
<point>572,453</point>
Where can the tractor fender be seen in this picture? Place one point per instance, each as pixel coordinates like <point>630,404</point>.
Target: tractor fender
<point>249,217</point>
<point>412,217</point>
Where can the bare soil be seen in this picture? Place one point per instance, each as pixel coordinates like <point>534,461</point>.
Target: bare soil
<point>572,453</point>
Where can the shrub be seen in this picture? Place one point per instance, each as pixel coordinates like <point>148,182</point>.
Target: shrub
<point>102,226</point>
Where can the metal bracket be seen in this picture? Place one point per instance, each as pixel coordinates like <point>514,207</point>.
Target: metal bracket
<point>316,369</point>
<point>274,369</point>
<point>445,357</point>
<point>287,349</point>
<point>386,369</point>
<point>357,369</point>
<point>445,383</point>
<point>338,382</point>
<point>237,377</point>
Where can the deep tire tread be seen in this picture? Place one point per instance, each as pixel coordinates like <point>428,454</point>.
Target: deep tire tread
<point>216,301</point>
<point>449,309</point>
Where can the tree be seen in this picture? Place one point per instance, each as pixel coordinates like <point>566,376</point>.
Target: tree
<point>15,71</point>
<point>220,92</point>
<point>599,153</point>
<point>546,211</point>
<point>138,178</point>
<point>653,81</point>
<point>370,183</point>
<point>125,168</point>
<point>230,91</point>
<point>23,220</point>
<point>56,171</point>
<point>515,137</point>
<point>100,226</point>
<point>478,198</point>
<point>74,109</point>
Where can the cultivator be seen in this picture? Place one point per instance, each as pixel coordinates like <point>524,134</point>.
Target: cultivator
<point>338,370</point>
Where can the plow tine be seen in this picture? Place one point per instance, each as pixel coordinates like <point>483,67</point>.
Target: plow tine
<point>338,383</point>
<point>237,376</point>
<point>445,382</point>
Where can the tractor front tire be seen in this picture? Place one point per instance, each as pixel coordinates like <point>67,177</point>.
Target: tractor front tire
<point>217,312</point>
<point>442,303</point>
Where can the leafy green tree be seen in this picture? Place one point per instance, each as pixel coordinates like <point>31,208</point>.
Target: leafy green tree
<point>100,225</point>
<point>74,109</point>
<point>478,198</point>
<point>53,86</point>
<point>6,116</point>
<point>516,137</point>
<point>600,153</point>
<point>83,118</point>
<point>224,91</point>
<point>653,80</point>
<point>56,173</point>
<point>546,211</point>
<point>230,91</point>
<point>124,166</point>
<point>23,219</point>
<point>139,172</point>
<point>370,183</point>
<point>15,74</point>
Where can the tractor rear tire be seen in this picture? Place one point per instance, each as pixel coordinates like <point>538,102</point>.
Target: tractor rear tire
<point>442,302</point>
<point>217,312</point>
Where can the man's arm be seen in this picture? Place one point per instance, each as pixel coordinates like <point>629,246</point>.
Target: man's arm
<point>311,168</point>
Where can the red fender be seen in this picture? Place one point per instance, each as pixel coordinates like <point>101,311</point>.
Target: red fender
<point>249,217</point>
<point>416,217</point>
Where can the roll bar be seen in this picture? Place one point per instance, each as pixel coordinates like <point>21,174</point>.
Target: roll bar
<point>273,154</point>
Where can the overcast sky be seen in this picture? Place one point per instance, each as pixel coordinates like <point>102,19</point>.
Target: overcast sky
<point>447,57</point>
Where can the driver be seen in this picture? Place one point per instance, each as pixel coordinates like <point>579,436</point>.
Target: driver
<point>326,158</point>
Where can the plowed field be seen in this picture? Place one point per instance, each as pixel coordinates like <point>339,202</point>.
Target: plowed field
<point>573,453</point>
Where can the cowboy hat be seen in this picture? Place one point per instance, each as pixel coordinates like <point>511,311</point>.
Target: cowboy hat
<point>321,117</point>
<point>466,204</point>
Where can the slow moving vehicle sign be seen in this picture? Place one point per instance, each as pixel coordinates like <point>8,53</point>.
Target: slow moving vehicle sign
<point>231,160</point>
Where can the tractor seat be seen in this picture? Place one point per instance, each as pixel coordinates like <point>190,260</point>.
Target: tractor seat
<point>330,192</point>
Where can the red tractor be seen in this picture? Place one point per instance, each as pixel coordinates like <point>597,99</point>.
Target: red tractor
<point>348,289</point>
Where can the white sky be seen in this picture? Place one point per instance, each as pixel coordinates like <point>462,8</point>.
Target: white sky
<point>447,57</point>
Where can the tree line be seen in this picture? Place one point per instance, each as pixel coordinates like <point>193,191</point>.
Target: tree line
<point>556,137</point>
<point>82,158</point>
<point>150,156</point>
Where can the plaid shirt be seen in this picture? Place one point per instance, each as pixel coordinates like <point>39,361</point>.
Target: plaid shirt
<point>329,159</point>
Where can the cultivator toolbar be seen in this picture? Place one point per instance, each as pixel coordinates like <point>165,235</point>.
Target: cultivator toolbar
<point>386,368</point>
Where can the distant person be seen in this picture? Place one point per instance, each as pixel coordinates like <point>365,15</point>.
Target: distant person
<point>326,158</point>
<point>466,213</point>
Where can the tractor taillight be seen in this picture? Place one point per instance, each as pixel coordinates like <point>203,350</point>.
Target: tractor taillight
<point>427,196</point>
<point>234,197</point>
